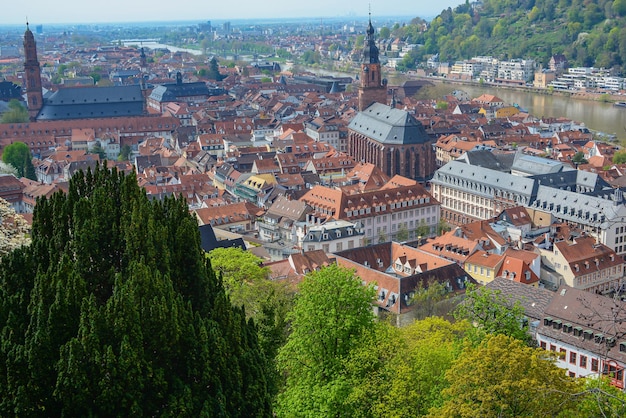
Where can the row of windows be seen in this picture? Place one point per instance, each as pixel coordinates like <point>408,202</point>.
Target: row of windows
<point>573,356</point>
<point>69,131</point>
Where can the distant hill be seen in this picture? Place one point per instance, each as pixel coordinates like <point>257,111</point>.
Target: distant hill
<point>587,32</point>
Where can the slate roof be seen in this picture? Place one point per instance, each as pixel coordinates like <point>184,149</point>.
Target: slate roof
<point>575,207</point>
<point>523,186</point>
<point>535,165</point>
<point>487,159</point>
<point>92,102</point>
<point>533,299</point>
<point>331,231</point>
<point>171,92</point>
<point>10,91</point>
<point>389,126</point>
<point>290,209</point>
<point>208,240</point>
<point>590,313</point>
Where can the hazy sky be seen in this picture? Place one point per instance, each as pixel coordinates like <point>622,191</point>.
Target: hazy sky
<point>89,11</point>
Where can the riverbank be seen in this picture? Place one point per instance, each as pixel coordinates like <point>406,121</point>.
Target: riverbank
<point>577,95</point>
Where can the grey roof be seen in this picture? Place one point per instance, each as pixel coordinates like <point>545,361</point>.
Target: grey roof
<point>92,102</point>
<point>286,208</point>
<point>487,159</point>
<point>532,165</point>
<point>209,242</point>
<point>533,299</point>
<point>10,91</point>
<point>576,207</point>
<point>331,231</point>
<point>483,181</point>
<point>389,126</point>
<point>172,92</point>
<point>124,73</point>
<point>574,309</point>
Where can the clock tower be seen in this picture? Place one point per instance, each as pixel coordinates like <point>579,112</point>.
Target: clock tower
<point>373,87</point>
<point>32,75</point>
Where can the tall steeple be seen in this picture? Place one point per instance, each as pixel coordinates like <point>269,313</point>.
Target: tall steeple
<point>373,88</point>
<point>32,75</point>
<point>143,61</point>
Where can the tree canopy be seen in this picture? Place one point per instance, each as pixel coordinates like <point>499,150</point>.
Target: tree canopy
<point>588,33</point>
<point>332,313</point>
<point>113,310</point>
<point>16,113</point>
<point>492,313</point>
<point>18,155</point>
<point>503,377</point>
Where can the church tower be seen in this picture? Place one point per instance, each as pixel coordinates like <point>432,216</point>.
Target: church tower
<point>32,75</point>
<point>373,88</point>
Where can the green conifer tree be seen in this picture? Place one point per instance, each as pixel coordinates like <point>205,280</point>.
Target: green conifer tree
<point>113,311</point>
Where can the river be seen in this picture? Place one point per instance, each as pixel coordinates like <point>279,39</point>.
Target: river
<point>597,116</point>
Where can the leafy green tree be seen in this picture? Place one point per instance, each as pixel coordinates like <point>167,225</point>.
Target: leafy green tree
<point>127,321</point>
<point>579,158</point>
<point>16,113</point>
<point>265,301</point>
<point>443,227</point>
<point>619,7</point>
<point>422,230</point>
<point>125,152</point>
<point>493,313</point>
<point>331,314</point>
<point>427,300</point>
<point>97,149</point>
<point>619,157</point>
<point>402,234</point>
<point>18,155</point>
<point>599,399</point>
<point>385,32</point>
<point>504,378</point>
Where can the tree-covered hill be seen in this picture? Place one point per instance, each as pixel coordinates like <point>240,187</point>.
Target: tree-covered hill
<point>114,311</point>
<point>587,32</point>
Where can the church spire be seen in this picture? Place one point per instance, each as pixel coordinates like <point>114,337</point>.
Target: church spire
<point>370,52</point>
<point>373,87</point>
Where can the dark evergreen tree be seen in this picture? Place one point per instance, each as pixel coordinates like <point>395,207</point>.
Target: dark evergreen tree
<point>113,311</point>
<point>214,70</point>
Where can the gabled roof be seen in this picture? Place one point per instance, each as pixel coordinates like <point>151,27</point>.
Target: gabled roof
<point>533,299</point>
<point>585,256</point>
<point>286,208</point>
<point>389,126</point>
<point>171,92</point>
<point>208,240</point>
<point>92,102</point>
<point>394,290</point>
<point>594,315</point>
